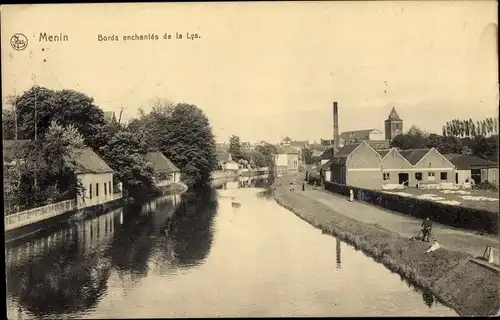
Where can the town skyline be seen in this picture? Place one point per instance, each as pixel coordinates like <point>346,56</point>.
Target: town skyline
<point>432,68</point>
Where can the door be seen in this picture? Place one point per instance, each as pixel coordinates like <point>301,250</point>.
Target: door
<point>456,178</point>
<point>403,178</point>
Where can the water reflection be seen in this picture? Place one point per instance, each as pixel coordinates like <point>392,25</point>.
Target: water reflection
<point>64,272</point>
<point>191,229</point>
<point>259,181</point>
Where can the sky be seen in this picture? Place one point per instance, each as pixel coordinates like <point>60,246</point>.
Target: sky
<point>266,70</point>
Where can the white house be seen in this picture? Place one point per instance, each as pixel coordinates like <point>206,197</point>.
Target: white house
<point>225,162</point>
<point>96,177</point>
<point>165,171</point>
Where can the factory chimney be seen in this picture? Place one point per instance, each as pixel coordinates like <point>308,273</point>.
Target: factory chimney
<point>335,126</point>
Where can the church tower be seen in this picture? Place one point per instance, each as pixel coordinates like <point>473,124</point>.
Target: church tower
<point>393,125</point>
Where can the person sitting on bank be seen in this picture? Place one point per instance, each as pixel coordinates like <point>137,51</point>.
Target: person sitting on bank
<point>426,229</point>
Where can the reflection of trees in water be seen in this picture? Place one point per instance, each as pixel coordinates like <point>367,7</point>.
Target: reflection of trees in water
<point>428,298</point>
<point>191,230</point>
<point>132,245</point>
<point>61,281</point>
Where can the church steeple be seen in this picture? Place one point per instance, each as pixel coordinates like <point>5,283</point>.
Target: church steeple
<point>393,115</point>
<point>393,125</point>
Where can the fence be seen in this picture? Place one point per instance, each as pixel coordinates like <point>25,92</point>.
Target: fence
<point>23,218</point>
<point>456,216</point>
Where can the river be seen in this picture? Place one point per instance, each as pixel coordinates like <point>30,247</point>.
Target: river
<point>227,251</point>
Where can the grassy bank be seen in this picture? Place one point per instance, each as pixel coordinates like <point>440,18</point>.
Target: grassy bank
<point>469,289</point>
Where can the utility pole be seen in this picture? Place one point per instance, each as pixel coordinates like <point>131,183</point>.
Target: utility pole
<point>35,120</point>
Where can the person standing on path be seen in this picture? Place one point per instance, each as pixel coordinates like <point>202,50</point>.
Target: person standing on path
<point>426,229</point>
<point>303,186</point>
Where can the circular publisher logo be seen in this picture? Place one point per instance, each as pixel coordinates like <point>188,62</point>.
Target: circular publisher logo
<point>19,41</point>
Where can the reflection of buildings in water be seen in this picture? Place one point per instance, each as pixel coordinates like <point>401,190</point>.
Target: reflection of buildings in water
<point>94,231</point>
<point>39,247</point>
<point>338,252</point>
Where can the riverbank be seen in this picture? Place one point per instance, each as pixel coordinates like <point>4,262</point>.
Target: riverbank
<point>468,288</point>
<point>216,175</point>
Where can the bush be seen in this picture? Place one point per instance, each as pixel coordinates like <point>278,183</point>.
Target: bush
<point>456,216</point>
<point>486,185</point>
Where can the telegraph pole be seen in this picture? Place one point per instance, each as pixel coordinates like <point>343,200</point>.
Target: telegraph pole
<point>35,120</point>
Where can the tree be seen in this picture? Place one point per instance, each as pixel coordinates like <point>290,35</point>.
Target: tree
<point>125,154</point>
<point>42,105</point>
<point>307,156</point>
<point>269,151</point>
<point>187,140</point>
<point>235,147</point>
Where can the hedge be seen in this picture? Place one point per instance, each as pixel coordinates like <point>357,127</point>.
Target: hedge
<point>456,216</point>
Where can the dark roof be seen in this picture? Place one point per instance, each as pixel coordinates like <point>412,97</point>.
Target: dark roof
<point>11,147</point>
<point>393,115</point>
<point>347,150</point>
<point>223,156</point>
<point>467,162</point>
<point>318,147</point>
<point>384,152</point>
<point>287,150</point>
<point>87,161</point>
<point>339,160</point>
<point>359,135</point>
<point>161,163</point>
<point>327,154</point>
<point>326,165</point>
<point>414,155</point>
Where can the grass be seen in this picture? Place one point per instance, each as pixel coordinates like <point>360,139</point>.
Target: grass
<point>472,201</point>
<point>404,256</point>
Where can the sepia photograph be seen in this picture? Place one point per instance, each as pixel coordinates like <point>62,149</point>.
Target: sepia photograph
<point>251,159</point>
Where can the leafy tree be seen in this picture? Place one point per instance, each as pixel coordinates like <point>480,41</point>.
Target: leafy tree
<point>235,147</point>
<point>186,138</point>
<point>307,156</point>
<point>125,154</point>
<point>269,151</point>
<point>42,105</point>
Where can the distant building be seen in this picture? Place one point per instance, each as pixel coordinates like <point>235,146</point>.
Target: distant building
<point>327,155</point>
<point>287,157</point>
<point>225,162</point>
<point>393,125</point>
<point>470,167</point>
<point>357,165</point>
<point>374,137</point>
<point>165,171</point>
<point>360,165</point>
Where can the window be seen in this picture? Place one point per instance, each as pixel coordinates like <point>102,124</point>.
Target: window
<point>96,189</point>
<point>418,176</point>
<point>431,176</point>
<point>387,176</point>
<point>109,185</point>
<point>90,191</point>
<point>444,175</point>
<point>105,189</point>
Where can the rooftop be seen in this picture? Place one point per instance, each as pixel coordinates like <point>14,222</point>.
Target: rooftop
<point>87,161</point>
<point>161,163</point>
<point>393,115</point>
<point>467,162</point>
<point>358,134</point>
<point>414,155</point>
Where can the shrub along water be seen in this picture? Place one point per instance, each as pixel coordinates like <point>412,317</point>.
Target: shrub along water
<point>435,271</point>
<point>456,216</point>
